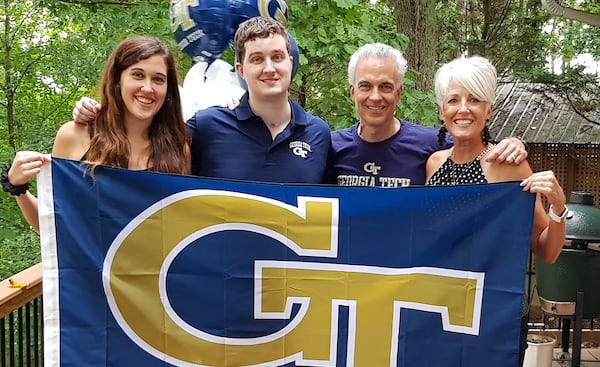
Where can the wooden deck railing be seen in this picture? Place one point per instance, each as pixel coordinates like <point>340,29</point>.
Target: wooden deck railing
<point>21,319</point>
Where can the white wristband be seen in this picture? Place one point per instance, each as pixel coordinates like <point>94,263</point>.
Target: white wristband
<point>558,218</point>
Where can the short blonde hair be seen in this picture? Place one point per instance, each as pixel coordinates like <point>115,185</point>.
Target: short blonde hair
<point>475,73</point>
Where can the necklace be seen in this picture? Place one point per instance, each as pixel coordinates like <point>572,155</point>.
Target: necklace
<point>469,172</point>
<point>482,154</point>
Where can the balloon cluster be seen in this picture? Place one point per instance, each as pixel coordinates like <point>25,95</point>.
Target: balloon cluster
<point>203,29</point>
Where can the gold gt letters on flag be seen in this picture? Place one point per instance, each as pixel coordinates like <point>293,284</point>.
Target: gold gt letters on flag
<point>373,295</point>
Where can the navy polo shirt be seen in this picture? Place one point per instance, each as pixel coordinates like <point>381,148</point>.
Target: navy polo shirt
<point>236,144</point>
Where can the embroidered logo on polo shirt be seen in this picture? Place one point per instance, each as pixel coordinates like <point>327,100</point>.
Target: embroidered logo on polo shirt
<point>300,148</point>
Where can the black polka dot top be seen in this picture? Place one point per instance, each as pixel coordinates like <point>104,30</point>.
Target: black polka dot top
<point>452,174</point>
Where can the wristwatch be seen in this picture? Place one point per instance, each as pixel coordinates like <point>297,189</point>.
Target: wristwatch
<point>558,218</point>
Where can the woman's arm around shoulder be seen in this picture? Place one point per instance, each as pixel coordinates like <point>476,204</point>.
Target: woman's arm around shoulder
<point>500,172</point>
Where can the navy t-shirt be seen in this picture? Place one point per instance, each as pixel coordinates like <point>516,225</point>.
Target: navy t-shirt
<point>396,162</point>
<point>236,144</point>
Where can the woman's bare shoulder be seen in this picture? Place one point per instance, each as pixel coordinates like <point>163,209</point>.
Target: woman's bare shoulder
<point>438,157</point>
<point>434,162</point>
<point>72,141</point>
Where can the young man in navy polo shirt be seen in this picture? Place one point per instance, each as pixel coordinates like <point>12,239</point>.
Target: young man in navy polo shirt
<point>267,137</point>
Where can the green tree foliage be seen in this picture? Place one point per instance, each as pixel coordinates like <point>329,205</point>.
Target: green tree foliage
<point>564,39</point>
<point>328,32</point>
<point>53,54</point>
<point>506,32</point>
<point>18,253</point>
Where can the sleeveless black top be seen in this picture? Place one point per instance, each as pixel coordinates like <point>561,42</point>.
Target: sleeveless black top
<point>451,174</point>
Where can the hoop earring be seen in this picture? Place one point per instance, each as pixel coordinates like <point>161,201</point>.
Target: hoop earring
<point>442,133</point>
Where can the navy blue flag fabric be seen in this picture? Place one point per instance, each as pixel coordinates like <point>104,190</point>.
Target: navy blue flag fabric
<point>147,269</point>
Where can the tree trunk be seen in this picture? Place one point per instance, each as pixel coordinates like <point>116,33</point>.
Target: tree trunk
<point>8,87</point>
<point>417,20</point>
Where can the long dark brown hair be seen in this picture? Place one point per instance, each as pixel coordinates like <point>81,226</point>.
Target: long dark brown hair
<point>168,134</point>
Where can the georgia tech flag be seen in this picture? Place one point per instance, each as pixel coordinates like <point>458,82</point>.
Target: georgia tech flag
<point>147,269</point>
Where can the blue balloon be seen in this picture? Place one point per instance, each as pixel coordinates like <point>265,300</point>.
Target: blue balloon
<point>295,52</point>
<point>242,10</point>
<point>202,31</point>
